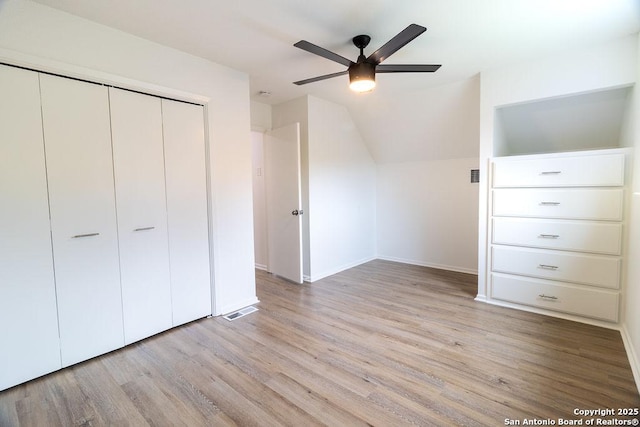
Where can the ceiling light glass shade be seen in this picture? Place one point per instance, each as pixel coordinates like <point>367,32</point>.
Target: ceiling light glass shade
<point>362,77</point>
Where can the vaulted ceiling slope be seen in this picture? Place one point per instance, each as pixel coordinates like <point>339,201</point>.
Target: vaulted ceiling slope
<point>466,37</point>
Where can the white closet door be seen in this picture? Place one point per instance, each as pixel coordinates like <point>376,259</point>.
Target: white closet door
<point>183,126</point>
<point>28,313</point>
<point>83,218</point>
<point>136,122</point>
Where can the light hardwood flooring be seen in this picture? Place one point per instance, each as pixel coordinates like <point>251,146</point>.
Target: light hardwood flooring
<point>381,344</point>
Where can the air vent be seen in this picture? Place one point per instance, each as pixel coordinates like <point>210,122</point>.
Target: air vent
<point>475,175</point>
<point>240,313</point>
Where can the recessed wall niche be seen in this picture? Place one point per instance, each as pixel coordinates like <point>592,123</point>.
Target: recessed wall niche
<point>587,121</point>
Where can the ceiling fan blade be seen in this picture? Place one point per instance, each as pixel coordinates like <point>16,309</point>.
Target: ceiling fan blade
<point>317,79</point>
<point>393,45</point>
<point>312,48</point>
<point>406,68</point>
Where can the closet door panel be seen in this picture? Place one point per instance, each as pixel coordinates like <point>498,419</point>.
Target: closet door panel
<point>28,313</point>
<point>184,144</point>
<point>83,218</point>
<point>136,122</point>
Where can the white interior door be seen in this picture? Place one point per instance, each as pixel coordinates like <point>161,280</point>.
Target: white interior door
<point>186,175</point>
<point>138,161</point>
<point>284,204</point>
<point>28,312</point>
<point>77,140</point>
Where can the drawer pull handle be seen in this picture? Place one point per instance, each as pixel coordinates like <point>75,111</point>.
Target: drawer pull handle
<point>80,236</point>
<point>550,172</point>
<point>548,267</point>
<point>549,236</point>
<point>549,203</point>
<point>548,297</point>
<point>143,228</point>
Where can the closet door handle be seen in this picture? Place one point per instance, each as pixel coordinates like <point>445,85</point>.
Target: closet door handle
<point>548,267</point>
<point>548,297</point>
<point>549,236</point>
<point>79,236</point>
<point>549,203</point>
<point>550,172</point>
<point>143,228</point>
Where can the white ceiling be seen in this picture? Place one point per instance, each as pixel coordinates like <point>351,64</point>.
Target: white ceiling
<point>465,36</point>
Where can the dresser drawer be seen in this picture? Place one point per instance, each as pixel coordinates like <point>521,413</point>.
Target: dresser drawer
<point>589,302</point>
<point>597,170</point>
<point>580,236</point>
<point>576,203</point>
<point>602,271</point>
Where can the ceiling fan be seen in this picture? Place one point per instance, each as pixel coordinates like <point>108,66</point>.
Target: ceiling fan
<point>362,73</point>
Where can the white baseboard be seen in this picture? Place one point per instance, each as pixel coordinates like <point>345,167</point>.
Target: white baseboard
<point>344,267</point>
<point>261,267</point>
<point>430,265</point>
<point>550,313</point>
<point>316,277</point>
<point>634,361</point>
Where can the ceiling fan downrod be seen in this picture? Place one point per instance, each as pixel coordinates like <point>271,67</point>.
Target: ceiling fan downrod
<point>361,42</point>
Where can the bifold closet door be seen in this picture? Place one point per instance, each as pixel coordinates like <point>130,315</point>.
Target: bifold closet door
<point>83,218</point>
<point>185,157</point>
<point>28,313</point>
<point>136,123</point>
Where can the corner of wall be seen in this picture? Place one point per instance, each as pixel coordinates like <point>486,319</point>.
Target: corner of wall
<point>260,116</point>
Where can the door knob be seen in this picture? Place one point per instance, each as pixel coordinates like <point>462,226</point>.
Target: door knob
<point>297,212</point>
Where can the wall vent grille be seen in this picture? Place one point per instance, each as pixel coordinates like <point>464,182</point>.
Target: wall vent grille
<point>240,313</point>
<point>475,175</point>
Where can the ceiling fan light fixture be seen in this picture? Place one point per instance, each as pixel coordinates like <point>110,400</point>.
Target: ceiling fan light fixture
<point>362,77</point>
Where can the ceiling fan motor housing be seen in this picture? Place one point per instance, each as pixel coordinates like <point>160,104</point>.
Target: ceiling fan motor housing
<point>362,71</point>
<point>362,76</point>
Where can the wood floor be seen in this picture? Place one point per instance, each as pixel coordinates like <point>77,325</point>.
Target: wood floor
<point>382,344</point>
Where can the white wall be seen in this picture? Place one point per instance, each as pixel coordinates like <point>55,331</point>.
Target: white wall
<point>338,186</point>
<point>34,34</point>
<point>426,206</point>
<point>433,197</point>
<point>260,116</point>
<point>261,244</point>
<point>437,123</point>
<point>603,66</point>
<point>342,191</point>
<point>631,320</point>
<point>428,213</point>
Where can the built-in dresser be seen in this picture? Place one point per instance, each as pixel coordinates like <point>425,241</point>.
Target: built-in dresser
<point>556,232</point>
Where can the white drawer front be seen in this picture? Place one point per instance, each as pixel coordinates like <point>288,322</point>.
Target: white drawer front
<point>577,203</point>
<point>603,271</point>
<point>589,302</point>
<point>602,170</point>
<point>604,238</point>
